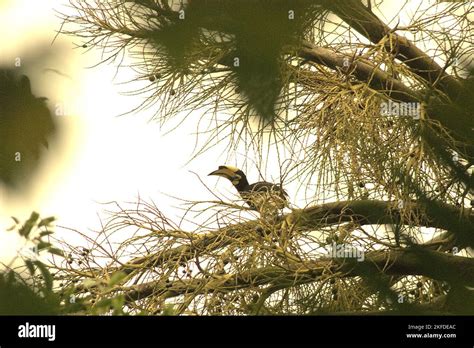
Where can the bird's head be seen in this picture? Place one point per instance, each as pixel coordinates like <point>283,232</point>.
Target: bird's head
<point>235,175</point>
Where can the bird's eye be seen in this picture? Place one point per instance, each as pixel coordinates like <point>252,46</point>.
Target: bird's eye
<point>236,179</point>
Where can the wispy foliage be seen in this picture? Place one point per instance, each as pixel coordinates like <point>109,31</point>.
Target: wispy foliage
<point>374,127</point>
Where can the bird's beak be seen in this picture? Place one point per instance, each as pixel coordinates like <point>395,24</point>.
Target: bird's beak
<point>223,172</point>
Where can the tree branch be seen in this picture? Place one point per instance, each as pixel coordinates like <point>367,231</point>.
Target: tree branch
<point>365,71</point>
<point>365,212</point>
<point>354,13</point>
<point>441,266</point>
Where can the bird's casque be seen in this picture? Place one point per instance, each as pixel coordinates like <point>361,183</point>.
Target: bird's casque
<point>261,196</point>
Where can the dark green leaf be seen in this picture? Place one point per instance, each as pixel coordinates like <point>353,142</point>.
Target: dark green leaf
<point>46,221</point>
<point>46,233</point>
<point>25,230</point>
<point>43,245</point>
<point>31,267</point>
<point>48,278</point>
<point>56,251</point>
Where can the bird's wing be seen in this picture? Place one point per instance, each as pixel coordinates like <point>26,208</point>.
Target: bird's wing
<point>264,194</point>
<point>263,186</point>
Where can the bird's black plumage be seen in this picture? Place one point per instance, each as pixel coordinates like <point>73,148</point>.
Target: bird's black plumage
<point>277,195</point>
<point>260,196</point>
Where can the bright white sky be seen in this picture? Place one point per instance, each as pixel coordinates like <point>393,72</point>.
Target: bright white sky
<point>99,157</point>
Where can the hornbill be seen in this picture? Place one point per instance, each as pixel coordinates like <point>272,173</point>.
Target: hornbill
<point>262,196</point>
